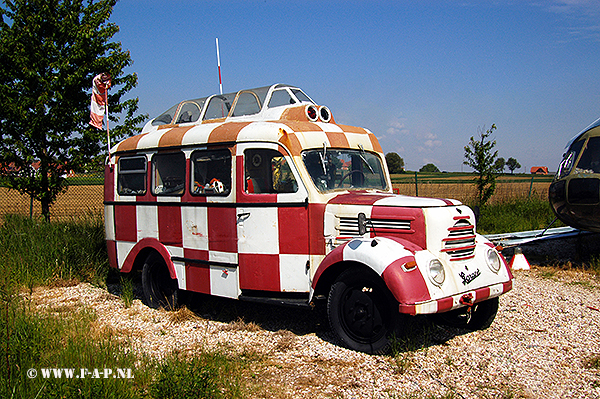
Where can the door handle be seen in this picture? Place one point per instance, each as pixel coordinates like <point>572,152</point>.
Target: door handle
<point>242,216</point>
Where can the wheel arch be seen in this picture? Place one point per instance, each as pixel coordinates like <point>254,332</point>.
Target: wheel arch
<point>392,260</point>
<point>141,250</point>
<point>331,273</point>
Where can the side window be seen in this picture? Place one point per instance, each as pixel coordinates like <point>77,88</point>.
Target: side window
<point>589,162</point>
<point>218,107</point>
<point>190,112</point>
<point>268,172</point>
<point>279,98</point>
<point>211,172</point>
<point>132,176</point>
<point>168,172</point>
<point>247,104</point>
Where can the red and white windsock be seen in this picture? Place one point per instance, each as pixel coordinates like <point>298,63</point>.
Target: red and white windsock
<point>99,99</point>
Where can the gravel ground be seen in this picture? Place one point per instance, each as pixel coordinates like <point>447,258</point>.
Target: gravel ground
<point>540,346</point>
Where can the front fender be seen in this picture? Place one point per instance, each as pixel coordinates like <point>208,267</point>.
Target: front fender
<point>391,258</point>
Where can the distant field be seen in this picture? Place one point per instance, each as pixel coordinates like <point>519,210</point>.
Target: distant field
<point>80,199</point>
<point>460,186</point>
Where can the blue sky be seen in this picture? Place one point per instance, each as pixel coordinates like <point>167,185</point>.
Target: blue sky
<point>424,76</point>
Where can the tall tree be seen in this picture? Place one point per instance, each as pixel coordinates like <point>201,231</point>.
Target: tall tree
<point>429,168</point>
<point>512,164</point>
<point>480,155</point>
<point>394,162</point>
<point>500,164</point>
<point>50,50</point>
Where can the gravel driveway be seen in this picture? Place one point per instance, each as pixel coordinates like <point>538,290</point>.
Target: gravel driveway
<point>544,343</point>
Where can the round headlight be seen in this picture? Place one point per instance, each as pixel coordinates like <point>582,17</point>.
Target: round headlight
<point>437,275</point>
<point>324,114</point>
<point>311,113</point>
<point>493,260</point>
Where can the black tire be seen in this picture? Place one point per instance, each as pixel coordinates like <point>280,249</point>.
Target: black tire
<point>160,290</point>
<point>479,317</point>
<point>362,312</point>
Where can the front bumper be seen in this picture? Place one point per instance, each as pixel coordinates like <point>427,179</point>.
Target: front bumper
<point>456,301</point>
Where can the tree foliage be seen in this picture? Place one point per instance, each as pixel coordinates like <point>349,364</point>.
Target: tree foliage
<point>429,168</point>
<point>50,50</point>
<point>512,164</point>
<point>499,165</point>
<point>394,162</point>
<point>480,155</point>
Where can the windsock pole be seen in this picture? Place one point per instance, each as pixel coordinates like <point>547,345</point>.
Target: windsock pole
<point>107,128</point>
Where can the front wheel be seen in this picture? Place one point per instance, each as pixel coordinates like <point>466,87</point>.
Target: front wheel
<point>478,317</point>
<point>362,312</point>
<point>160,290</point>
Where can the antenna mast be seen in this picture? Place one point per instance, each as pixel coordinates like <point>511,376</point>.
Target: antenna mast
<point>219,65</point>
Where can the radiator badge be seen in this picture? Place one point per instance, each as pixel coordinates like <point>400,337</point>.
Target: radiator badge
<point>467,278</point>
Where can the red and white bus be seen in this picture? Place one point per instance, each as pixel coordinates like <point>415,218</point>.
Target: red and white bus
<point>260,195</point>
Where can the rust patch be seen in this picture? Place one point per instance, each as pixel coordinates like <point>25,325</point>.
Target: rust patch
<point>295,114</point>
<point>130,143</point>
<point>375,143</point>
<point>353,129</point>
<point>337,139</point>
<point>173,137</point>
<point>298,126</point>
<point>291,142</point>
<point>226,132</point>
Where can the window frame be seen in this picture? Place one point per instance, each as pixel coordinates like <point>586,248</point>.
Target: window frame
<point>193,172</point>
<point>155,159</point>
<point>121,172</point>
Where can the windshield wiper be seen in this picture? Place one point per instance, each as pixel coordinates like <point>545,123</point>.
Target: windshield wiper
<point>362,150</point>
<point>322,156</point>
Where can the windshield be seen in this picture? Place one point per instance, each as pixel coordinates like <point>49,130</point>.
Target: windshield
<point>332,169</point>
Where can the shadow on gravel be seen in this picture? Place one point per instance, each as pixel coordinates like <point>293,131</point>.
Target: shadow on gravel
<point>418,331</point>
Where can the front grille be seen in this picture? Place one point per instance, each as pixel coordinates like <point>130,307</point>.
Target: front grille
<point>460,243</point>
<point>348,227</point>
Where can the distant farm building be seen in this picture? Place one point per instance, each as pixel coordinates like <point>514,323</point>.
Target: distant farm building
<point>539,170</point>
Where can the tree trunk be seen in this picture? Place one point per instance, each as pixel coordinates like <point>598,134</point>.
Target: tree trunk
<point>44,185</point>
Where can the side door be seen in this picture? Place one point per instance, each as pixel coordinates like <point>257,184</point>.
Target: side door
<point>272,221</point>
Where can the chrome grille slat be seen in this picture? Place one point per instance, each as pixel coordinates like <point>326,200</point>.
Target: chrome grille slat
<point>348,226</point>
<point>460,242</point>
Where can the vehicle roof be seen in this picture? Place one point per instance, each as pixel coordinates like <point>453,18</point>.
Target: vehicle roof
<point>298,126</point>
<point>594,124</point>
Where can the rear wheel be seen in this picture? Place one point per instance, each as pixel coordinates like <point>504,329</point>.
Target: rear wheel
<point>160,290</point>
<point>362,312</point>
<point>478,317</point>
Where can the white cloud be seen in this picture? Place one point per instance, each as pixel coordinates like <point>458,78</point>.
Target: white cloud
<point>581,15</point>
<point>396,127</point>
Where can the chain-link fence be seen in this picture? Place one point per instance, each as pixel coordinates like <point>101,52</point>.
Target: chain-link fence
<point>84,195</point>
<point>461,186</point>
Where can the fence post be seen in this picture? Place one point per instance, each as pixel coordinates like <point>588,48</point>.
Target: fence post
<point>30,206</point>
<point>416,185</point>
<point>531,186</point>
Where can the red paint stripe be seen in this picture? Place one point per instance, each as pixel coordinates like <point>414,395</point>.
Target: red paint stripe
<point>197,276</point>
<point>125,223</point>
<point>169,225</point>
<point>259,272</point>
<point>293,230</point>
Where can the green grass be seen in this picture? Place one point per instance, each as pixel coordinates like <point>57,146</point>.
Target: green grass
<point>34,252</point>
<point>515,215</point>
